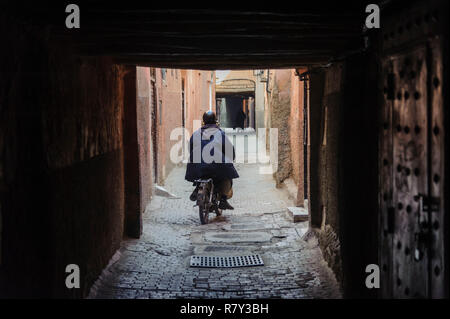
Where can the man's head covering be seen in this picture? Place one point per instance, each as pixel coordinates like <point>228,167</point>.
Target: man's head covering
<point>209,117</point>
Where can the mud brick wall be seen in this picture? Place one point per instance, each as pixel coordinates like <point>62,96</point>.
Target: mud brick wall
<point>343,169</point>
<point>327,199</point>
<point>61,164</point>
<point>280,108</point>
<point>143,110</point>
<point>296,129</point>
<point>169,118</point>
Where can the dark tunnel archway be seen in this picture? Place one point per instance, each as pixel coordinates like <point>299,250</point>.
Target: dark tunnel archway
<point>66,183</point>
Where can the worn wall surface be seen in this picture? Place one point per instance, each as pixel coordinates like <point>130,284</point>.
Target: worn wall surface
<point>198,96</point>
<point>170,110</point>
<point>143,106</point>
<point>280,112</point>
<point>169,117</point>
<point>343,169</point>
<point>284,111</point>
<point>133,217</point>
<point>137,147</point>
<point>260,89</point>
<point>296,130</point>
<point>315,110</point>
<point>267,106</point>
<point>328,170</point>
<point>61,157</point>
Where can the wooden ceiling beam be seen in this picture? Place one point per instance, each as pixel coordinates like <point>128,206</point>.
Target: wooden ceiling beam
<point>136,33</point>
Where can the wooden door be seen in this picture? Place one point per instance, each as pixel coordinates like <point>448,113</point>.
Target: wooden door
<point>412,173</point>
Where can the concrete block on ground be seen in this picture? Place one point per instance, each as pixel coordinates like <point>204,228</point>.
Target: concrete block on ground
<point>298,214</point>
<point>161,191</point>
<point>291,189</point>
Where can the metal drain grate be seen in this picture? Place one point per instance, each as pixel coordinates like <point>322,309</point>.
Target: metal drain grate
<point>226,262</point>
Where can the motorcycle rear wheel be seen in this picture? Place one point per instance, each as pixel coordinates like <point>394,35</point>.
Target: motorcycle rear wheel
<point>203,212</point>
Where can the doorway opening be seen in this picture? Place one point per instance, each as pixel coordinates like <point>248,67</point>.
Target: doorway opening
<point>235,95</point>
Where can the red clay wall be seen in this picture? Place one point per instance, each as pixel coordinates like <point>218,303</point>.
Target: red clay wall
<point>169,117</point>
<point>343,168</point>
<point>280,109</point>
<point>284,111</point>
<point>61,161</point>
<point>296,133</point>
<point>170,113</point>
<point>144,135</point>
<point>197,95</point>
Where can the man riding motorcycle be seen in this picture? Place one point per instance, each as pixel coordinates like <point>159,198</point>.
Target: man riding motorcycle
<point>211,156</point>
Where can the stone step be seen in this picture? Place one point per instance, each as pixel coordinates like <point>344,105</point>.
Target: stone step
<point>298,214</point>
<point>237,237</point>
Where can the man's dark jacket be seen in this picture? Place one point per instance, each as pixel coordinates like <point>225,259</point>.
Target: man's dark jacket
<point>224,169</point>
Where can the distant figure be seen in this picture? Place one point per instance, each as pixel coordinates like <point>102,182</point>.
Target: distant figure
<point>241,119</point>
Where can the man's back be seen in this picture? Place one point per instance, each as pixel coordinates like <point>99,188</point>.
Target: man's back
<point>211,154</point>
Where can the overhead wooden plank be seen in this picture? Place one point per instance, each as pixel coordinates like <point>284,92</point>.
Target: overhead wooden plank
<point>140,33</point>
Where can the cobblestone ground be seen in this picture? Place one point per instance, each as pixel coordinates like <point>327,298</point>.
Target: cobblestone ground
<point>157,265</point>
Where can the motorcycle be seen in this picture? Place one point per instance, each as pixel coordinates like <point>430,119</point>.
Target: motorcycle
<point>208,199</point>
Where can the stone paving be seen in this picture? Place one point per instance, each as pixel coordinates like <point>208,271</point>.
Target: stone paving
<point>157,265</point>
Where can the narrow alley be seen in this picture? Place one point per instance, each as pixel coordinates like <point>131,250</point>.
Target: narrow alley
<point>157,265</point>
<point>340,108</point>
